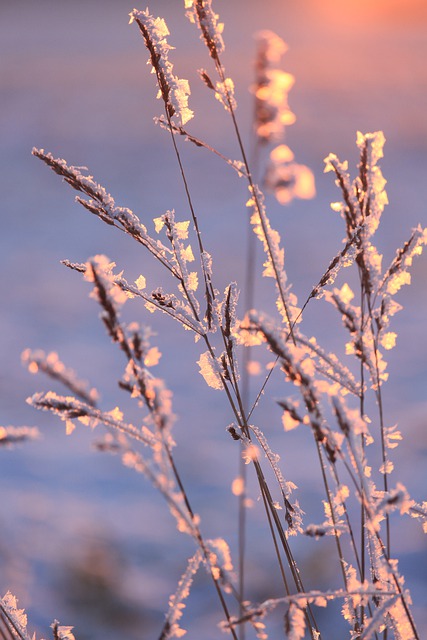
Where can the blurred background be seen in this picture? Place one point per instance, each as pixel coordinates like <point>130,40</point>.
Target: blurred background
<point>83,539</point>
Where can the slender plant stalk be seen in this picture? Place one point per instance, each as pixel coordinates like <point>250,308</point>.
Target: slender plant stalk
<point>239,415</point>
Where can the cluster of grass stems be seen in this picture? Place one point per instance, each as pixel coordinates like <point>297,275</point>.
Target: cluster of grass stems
<point>331,400</point>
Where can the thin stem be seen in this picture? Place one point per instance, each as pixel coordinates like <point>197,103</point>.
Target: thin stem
<point>352,538</point>
<point>362,494</point>
<point>199,143</point>
<point>261,391</point>
<point>11,626</point>
<point>199,538</point>
<point>292,564</point>
<point>332,509</point>
<point>273,535</point>
<point>382,430</point>
<point>246,358</point>
<point>255,197</point>
<point>240,413</point>
<point>241,533</point>
<point>362,412</point>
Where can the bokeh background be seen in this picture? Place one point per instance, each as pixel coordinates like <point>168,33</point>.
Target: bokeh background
<point>83,539</point>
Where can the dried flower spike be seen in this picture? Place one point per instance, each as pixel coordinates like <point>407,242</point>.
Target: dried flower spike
<point>200,12</point>
<point>271,88</point>
<point>173,90</point>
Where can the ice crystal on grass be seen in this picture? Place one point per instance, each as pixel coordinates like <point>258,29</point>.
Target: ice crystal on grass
<point>364,200</point>
<point>274,265</point>
<point>99,270</point>
<point>237,165</point>
<point>172,89</point>
<point>219,558</point>
<point>200,12</point>
<point>291,417</point>
<point>14,435</point>
<point>345,258</point>
<point>295,622</point>
<point>293,512</point>
<point>224,93</point>
<point>61,632</point>
<point>176,232</point>
<point>69,409</point>
<point>102,205</point>
<point>300,369</point>
<point>329,366</point>
<point>156,301</point>
<point>229,322</point>
<point>335,523</point>
<point>151,392</point>
<point>397,274</point>
<point>15,619</point>
<point>216,558</point>
<point>52,366</point>
<point>210,370</point>
<point>419,511</point>
<point>171,628</point>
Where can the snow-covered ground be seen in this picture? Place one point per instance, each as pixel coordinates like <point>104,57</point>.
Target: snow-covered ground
<point>74,81</point>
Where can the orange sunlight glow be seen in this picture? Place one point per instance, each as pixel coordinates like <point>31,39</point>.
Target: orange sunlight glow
<point>362,12</point>
<point>238,486</point>
<point>254,368</point>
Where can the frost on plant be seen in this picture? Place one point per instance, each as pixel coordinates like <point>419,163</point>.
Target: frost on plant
<point>173,90</point>
<point>38,361</point>
<point>13,435</point>
<point>201,13</point>
<point>16,619</point>
<point>324,395</point>
<point>363,203</point>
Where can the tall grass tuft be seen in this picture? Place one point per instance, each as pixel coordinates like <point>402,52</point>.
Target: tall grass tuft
<point>340,402</point>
